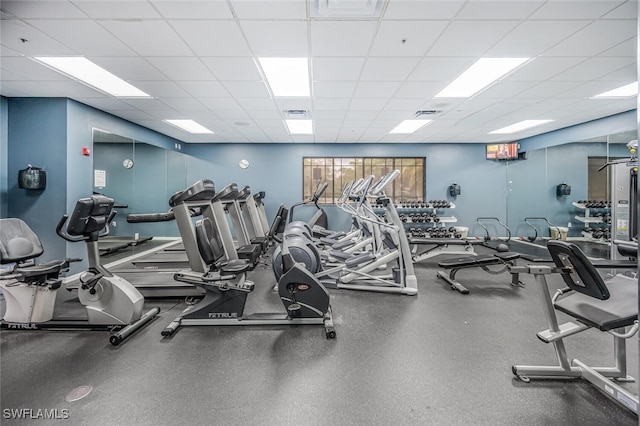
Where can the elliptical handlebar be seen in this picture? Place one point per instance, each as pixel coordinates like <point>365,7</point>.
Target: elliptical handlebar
<point>382,184</point>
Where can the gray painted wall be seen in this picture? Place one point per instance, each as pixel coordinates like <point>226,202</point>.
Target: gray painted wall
<point>4,137</point>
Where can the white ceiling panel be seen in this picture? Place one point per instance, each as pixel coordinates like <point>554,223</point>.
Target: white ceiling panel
<point>406,38</point>
<point>334,89</point>
<point>247,89</point>
<point>277,38</point>
<point>182,68</point>
<point>574,9</point>
<point>341,38</point>
<point>386,69</point>
<point>596,38</point>
<point>198,60</point>
<point>164,42</point>
<point>273,9</point>
<point>212,38</point>
<point>470,38</point>
<point>26,40</point>
<point>498,9</point>
<point>231,69</point>
<point>125,9</point>
<point>185,9</point>
<point>99,43</point>
<point>41,9</point>
<point>530,38</point>
<point>130,69</point>
<point>412,9</point>
<point>337,69</point>
<point>204,89</point>
<point>368,89</point>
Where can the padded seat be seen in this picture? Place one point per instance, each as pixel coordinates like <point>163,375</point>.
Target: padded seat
<point>443,241</point>
<point>619,310</point>
<point>468,261</point>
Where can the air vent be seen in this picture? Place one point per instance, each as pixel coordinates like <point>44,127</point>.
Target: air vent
<point>297,113</point>
<point>427,112</point>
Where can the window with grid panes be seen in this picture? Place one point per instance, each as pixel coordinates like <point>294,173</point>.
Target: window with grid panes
<point>337,171</point>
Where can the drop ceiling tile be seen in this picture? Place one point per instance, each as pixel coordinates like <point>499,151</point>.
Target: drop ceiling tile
<point>367,115</point>
<point>294,103</point>
<point>623,75</point>
<point>247,89</point>
<point>595,38</point>
<point>333,89</point>
<point>260,115</point>
<point>470,38</point>
<point>97,41</point>
<point>184,9</point>
<point>341,38</point>
<point>624,11</point>
<point>274,9</point>
<point>204,89</point>
<point>231,69</point>
<point>329,114</point>
<point>331,104</point>
<point>129,68</point>
<point>161,89</point>
<point>443,9</point>
<point>384,125</point>
<point>367,89</point>
<point>368,103</point>
<point>415,89</point>
<point>626,48</point>
<point>212,38</point>
<point>13,32</point>
<point>257,104</point>
<point>498,9</point>
<point>125,9</point>
<point>530,38</point>
<point>406,38</point>
<point>440,69</point>
<point>337,69</point>
<point>182,68</point>
<point>593,69</point>
<point>506,89</point>
<point>30,70</point>
<point>543,68</point>
<point>328,123</point>
<point>147,104</point>
<point>107,104</point>
<point>572,10</point>
<point>407,104</point>
<point>183,104</point>
<point>165,41</point>
<point>388,69</point>
<point>41,9</point>
<point>273,39</point>
<point>220,104</point>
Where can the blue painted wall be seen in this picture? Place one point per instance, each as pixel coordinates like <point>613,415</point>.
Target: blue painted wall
<point>277,169</point>
<point>37,135</point>
<point>4,119</point>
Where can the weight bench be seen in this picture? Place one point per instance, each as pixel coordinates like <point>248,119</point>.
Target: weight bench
<point>442,246</point>
<point>610,306</point>
<point>504,260</point>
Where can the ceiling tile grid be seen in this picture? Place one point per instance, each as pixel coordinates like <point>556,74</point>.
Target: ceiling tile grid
<point>368,72</point>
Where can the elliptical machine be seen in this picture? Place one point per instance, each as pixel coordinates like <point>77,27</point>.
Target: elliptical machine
<point>30,289</point>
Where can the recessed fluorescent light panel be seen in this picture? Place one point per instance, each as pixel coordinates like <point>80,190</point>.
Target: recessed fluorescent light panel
<point>480,75</point>
<point>287,77</point>
<point>91,74</point>
<point>190,126</point>
<point>409,126</point>
<point>521,125</point>
<point>300,127</point>
<point>621,92</point>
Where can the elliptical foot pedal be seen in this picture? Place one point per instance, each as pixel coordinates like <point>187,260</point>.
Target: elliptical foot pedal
<point>294,307</point>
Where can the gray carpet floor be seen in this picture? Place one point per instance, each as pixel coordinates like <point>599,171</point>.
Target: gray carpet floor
<point>439,358</point>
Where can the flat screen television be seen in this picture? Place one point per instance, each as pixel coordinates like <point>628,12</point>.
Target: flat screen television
<point>502,151</point>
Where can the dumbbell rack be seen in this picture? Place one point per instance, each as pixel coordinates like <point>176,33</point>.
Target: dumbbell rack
<point>425,215</point>
<point>590,218</point>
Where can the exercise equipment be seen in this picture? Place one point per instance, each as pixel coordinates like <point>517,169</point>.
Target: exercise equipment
<point>319,219</point>
<point>495,264</point>
<point>30,289</point>
<point>592,303</point>
<point>305,299</point>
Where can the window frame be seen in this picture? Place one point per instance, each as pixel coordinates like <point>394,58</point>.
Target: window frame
<point>363,163</point>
